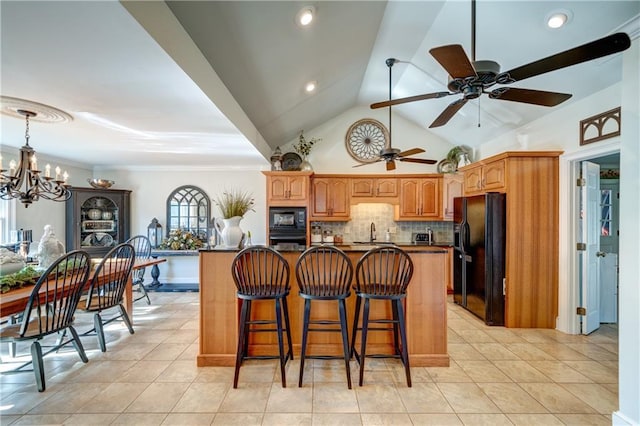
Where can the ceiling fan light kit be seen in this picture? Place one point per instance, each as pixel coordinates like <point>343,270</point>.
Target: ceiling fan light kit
<point>473,78</point>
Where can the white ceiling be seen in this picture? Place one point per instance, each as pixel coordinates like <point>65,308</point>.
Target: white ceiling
<point>219,84</point>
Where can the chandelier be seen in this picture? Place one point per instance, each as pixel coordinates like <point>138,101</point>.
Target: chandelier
<point>25,182</point>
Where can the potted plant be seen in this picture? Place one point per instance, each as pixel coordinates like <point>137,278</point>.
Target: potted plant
<point>458,156</point>
<point>180,239</point>
<point>303,147</point>
<point>233,205</point>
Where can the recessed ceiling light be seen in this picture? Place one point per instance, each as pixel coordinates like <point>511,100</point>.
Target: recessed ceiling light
<point>311,86</point>
<point>558,18</point>
<point>305,16</point>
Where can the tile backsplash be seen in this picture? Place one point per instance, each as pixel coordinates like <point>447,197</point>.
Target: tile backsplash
<point>381,214</point>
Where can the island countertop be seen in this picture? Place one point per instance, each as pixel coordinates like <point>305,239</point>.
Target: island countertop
<point>425,305</point>
<point>347,247</point>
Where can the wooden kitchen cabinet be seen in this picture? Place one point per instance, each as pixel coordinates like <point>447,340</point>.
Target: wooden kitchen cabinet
<point>452,187</point>
<point>374,187</point>
<point>484,177</point>
<point>420,198</point>
<point>530,181</point>
<point>287,188</point>
<point>329,199</point>
<point>97,220</point>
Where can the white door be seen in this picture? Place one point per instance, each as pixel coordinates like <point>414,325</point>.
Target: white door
<point>590,206</point>
<point>609,288</point>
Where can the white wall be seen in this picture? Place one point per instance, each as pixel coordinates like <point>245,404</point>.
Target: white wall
<point>331,156</point>
<point>150,189</point>
<point>558,130</point>
<point>629,290</point>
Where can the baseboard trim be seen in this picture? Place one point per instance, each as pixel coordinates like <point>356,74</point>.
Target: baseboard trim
<point>190,287</point>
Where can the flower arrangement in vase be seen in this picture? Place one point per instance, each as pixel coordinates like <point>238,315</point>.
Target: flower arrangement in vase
<point>180,239</point>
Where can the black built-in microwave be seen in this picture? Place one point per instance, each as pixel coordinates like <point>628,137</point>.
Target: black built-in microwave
<point>288,219</point>
<point>288,225</point>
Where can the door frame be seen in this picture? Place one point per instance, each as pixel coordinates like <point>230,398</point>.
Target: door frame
<point>569,277</point>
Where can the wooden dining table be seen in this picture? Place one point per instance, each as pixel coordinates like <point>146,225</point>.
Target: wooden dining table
<point>15,301</point>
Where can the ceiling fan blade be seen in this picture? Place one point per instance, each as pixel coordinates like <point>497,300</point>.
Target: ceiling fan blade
<point>454,60</point>
<point>418,160</point>
<point>596,49</point>
<point>448,112</point>
<point>410,99</point>
<point>528,96</point>
<point>412,151</point>
<point>391,165</point>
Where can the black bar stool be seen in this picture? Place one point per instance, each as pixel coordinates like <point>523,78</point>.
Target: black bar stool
<point>325,273</point>
<point>382,273</point>
<point>261,273</point>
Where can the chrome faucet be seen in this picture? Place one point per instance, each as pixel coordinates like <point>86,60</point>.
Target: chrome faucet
<point>372,232</point>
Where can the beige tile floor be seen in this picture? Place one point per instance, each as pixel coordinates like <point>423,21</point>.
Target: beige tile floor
<point>497,376</point>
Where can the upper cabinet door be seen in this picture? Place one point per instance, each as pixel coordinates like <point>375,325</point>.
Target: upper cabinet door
<point>430,200</point>
<point>409,198</point>
<point>420,199</point>
<point>287,188</point>
<point>362,187</point>
<point>451,188</point>
<point>494,175</point>
<point>298,187</point>
<point>386,187</point>
<point>330,199</point>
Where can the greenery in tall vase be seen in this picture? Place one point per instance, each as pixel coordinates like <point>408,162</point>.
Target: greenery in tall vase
<point>303,147</point>
<point>234,202</point>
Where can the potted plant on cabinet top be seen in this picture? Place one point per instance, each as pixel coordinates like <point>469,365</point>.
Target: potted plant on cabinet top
<point>303,147</point>
<point>458,156</point>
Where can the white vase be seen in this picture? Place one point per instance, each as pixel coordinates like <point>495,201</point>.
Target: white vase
<point>229,230</point>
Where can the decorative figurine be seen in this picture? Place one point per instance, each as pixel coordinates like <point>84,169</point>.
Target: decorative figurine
<point>49,248</point>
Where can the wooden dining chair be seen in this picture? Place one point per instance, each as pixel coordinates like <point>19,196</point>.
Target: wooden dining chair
<point>106,290</point>
<point>50,309</point>
<point>142,247</point>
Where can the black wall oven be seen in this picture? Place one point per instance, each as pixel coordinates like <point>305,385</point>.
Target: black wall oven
<point>287,225</point>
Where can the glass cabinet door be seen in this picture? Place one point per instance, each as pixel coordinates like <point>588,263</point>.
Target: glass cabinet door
<point>99,223</point>
<point>97,220</point>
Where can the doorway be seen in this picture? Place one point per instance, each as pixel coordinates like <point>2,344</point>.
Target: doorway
<point>597,288</point>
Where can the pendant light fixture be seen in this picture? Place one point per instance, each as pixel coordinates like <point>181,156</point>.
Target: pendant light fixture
<point>24,181</point>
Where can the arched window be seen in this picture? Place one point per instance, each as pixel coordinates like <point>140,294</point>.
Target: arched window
<point>189,209</point>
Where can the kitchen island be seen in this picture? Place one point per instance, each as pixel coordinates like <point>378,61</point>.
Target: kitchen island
<point>425,306</point>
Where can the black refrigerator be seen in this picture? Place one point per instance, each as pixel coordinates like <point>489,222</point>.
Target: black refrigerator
<point>479,255</point>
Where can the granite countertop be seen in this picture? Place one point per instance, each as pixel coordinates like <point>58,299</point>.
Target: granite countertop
<point>409,247</point>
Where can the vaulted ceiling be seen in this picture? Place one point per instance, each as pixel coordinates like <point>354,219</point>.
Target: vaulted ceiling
<point>220,84</point>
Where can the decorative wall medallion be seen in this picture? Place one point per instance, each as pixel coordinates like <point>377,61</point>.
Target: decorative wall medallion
<point>601,126</point>
<point>365,139</point>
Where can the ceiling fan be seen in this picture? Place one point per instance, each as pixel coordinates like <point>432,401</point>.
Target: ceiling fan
<point>473,78</point>
<point>389,154</point>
